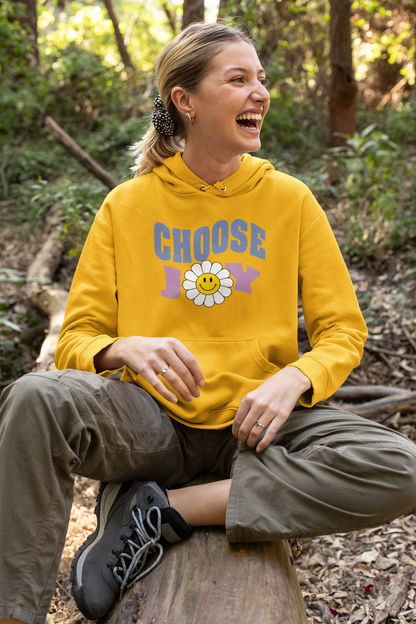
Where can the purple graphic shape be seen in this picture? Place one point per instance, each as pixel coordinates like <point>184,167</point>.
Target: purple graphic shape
<point>243,279</point>
<point>173,283</point>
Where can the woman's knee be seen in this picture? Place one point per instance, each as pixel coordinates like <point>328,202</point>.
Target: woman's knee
<point>36,406</point>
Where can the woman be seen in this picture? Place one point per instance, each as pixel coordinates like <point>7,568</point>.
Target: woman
<point>185,301</point>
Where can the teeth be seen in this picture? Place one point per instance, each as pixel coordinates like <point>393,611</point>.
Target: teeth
<point>255,116</point>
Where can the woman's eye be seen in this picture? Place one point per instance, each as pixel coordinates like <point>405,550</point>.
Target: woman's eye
<point>238,79</point>
<point>264,81</point>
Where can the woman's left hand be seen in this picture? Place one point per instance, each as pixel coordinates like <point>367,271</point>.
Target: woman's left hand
<point>270,404</point>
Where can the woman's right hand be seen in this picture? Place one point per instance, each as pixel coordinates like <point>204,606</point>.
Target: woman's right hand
<point>148,357</point>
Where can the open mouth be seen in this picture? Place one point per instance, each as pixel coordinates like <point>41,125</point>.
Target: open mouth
<point>249,120</point>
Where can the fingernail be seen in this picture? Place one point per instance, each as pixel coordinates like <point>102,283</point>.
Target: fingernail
<point>201,383</point>
<point>189,397</point>
<point>258,449</point>
<point>197,394</point>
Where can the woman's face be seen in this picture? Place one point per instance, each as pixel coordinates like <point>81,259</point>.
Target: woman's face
<point>231,102</point>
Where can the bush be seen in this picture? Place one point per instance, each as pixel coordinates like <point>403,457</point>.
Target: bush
<point>377,190</point>
<point>77,204</point>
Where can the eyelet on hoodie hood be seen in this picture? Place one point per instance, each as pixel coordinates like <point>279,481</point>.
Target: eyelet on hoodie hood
<point>184,182</point>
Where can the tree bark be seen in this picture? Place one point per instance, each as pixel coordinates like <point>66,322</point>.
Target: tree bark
<point>29,21</point>
<point>343,86</point>
<point>193,11</point>
<point>125,56</point>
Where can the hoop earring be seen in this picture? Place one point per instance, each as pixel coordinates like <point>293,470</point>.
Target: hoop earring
<point>191,119</point>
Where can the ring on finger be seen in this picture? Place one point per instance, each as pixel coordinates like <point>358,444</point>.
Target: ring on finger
<point>259,424</point>
<point>165,369</point>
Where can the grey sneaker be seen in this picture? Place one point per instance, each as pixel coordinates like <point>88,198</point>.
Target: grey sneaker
<point>134,522</point>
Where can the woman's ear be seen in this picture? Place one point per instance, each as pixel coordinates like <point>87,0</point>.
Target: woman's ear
<point>181,100</point>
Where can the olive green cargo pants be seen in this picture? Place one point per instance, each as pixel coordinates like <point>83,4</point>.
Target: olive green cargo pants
<point>327,471</point>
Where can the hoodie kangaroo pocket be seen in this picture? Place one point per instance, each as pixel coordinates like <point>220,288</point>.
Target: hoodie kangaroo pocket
<point>232,367</point>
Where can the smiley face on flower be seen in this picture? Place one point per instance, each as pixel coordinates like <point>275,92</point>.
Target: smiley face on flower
<point>207,283</point>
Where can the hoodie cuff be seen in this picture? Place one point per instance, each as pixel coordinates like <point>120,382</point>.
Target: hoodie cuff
<point>87,355</point>
<point>317,375</point>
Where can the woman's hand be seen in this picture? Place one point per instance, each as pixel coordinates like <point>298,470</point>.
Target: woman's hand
<point>148,357</point>
<point>270,404</point>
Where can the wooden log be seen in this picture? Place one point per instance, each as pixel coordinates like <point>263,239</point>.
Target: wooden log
<point>81,155</point>
<point>45,295</point>
<point>205,579</point>
<point>385,406</point>
<point>41,271</point>
<point>54,300</point>
<point>352,393</point>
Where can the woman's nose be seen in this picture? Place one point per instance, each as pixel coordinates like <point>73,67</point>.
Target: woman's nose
<point>260,94</point>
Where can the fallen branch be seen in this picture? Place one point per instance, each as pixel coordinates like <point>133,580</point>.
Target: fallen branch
<point>402,82</point>
<point>409,337</point>
<point>75,150</point>
<point>352,393</point>
<point>381,407</point>
<point>388,352</point>
<point>395,596</point>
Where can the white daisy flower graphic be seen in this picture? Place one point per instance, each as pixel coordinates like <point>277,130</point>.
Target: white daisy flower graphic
<point>207,283</point>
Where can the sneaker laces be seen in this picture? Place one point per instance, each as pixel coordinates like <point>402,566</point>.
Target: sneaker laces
<point>132,559</point>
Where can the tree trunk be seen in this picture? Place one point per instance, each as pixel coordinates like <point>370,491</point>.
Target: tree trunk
<point>29,22</point>
<point>343,87</point>
<point>125,56</point>
<point>193,11</point>
<point>222,9</point>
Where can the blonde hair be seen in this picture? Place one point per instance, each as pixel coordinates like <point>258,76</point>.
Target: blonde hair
<point>184,62</point>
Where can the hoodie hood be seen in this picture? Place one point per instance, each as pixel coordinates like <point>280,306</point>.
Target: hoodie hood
<point>183,181</point>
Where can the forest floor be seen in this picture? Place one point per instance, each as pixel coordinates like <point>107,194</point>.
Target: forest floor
<point>348,578</point>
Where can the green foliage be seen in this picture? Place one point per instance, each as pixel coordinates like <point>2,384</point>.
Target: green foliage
<point>87,26</point>
<point>378,193</point>
<point>77,203</point>
<point>293,132</point>
<point>292,42</point>
<point>14,45</point>
<point>18,77</point>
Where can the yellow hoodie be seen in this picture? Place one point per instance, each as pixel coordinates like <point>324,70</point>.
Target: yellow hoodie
<point>219,268</point>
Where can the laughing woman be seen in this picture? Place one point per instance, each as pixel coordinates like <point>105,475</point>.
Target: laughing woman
<point>178,354</point>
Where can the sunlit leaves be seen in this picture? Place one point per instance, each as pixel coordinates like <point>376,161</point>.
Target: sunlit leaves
<point>87,25</point>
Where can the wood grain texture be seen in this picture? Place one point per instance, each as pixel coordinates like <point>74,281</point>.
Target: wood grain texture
<point>207,580</point>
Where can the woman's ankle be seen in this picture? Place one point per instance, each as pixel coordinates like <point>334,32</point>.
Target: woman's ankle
<point>202,505</point>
